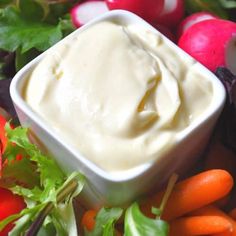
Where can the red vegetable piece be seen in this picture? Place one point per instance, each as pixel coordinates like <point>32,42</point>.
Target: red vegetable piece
<point>192,20</point>
<point>212,43</point>
<point>147,9</point>
<point>3,138</point>
<point>172,13</point>
<point>9,204</point>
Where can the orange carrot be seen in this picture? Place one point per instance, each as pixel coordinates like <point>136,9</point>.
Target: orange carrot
<point>192,193</point>
<point>211,210</point>
<point>227,233</point>
<point>199,225</point>
<point>88,219</point>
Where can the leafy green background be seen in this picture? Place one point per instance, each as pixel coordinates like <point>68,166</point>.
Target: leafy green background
<point>29,27</point>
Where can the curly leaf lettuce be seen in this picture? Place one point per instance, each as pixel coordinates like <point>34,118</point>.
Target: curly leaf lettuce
<point>47,190</point>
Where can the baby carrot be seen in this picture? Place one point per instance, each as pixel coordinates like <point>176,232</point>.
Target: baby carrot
<point>211,210</point>
<point>88,219</point>
<point>199,225</point>
<point>192,193</point>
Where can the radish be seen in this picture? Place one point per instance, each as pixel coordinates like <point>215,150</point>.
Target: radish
<point>193,19</point>
<point>86,11</point>
<point>172,13</point>
<point>212,42</point>
<point>147,9</point>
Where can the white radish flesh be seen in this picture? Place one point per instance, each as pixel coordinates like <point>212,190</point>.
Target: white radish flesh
<point>193,19</point>
<point>86,11</point>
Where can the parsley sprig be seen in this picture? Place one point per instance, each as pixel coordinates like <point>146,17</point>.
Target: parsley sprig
<point>29,27</point>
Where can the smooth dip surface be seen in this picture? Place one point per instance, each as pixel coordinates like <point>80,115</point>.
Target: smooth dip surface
<point>119,94</point>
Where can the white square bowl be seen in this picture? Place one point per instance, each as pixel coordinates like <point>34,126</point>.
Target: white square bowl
<point>119,189</point>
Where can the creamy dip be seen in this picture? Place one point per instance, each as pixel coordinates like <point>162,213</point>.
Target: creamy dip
<point>119,94</point>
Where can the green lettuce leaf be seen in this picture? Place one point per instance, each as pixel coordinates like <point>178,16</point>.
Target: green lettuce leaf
<point>16,32</point>
<point>66,25</point>
<point>47,190</point>
<point>21,59</point>
<point>51,175</point>
<point>31,10</point>
<point>138,224</point>
<point>3,3</point>
<point>28,27</point>
<point>20,172</point>
<point>61,213</point>
<point>105,221</point>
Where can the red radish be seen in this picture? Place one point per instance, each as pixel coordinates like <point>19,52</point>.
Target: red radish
<point>212,42</point>
<point>9,204</point>
<point>147,9</point>
<point>86,11</point>
<point>193,19</point>
<point>171,14</point>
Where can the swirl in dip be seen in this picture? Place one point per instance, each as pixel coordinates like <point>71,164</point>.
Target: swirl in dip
<point>119,94</point>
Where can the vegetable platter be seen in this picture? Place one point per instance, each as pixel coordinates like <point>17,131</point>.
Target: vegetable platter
<point>38,198</point>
